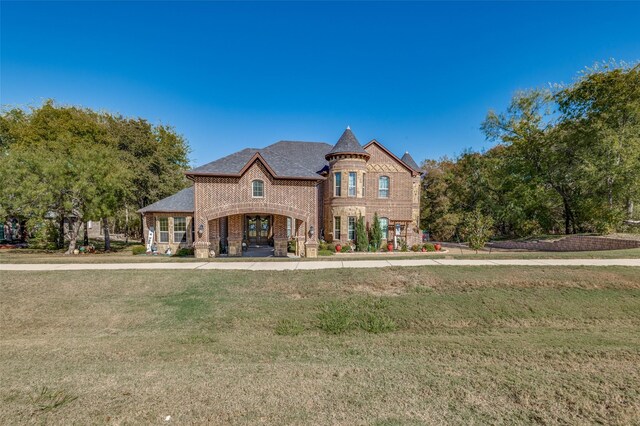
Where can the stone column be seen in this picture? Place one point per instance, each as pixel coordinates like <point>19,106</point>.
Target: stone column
<point>201,244</point>
<point>280,241</point>
<point>235,227</point>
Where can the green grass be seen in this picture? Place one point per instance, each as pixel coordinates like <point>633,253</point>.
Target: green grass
<point>456,345</point>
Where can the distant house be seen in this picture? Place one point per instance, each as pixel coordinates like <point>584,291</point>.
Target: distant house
<point>305,191</point>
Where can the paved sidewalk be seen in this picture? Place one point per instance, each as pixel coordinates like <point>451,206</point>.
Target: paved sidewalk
<point>310,265</point>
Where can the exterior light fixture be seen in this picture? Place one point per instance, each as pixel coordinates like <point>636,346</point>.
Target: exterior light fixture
<point>312,231</point>
<point>200,230</point>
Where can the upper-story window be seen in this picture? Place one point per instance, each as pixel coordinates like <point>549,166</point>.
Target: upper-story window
<point>383,187</point>
<point>337,184</point>
<point>257,188</point>
<point>352,184</point>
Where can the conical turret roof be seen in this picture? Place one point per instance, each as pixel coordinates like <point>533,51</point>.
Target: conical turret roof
<point>408,160</point>
<point>347,144</point>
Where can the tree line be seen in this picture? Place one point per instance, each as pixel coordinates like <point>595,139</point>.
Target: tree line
<point>64,164</point>
<point>566,159</point>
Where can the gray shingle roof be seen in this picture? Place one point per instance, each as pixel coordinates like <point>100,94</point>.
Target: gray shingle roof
<point>285,158</point>
<point>181,201</point>
<point>409,161</point>
<point>347,143</point>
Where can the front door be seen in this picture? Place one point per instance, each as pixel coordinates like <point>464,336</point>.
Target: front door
<point>258,228</point>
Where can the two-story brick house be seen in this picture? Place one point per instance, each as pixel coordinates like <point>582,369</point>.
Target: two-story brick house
<point>306,191</point>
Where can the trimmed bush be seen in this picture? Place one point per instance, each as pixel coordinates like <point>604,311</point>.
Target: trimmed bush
<point>345,249</point>
<point>415,247</point>
<point>182,252</point>
<point>428,247</point>
<point>135,250</point>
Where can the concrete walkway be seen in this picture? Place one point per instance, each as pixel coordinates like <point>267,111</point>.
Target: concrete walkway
<point>310,265</point>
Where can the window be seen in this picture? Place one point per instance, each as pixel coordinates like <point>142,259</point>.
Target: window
<point>383,187</point>
<point>179,229</point>
<point>336,228</point>
<point>337,186</point>
<point>257,187</point>
<point>352,228</point>
<point>163,230</point>
<point>289,227</point>
<point>352,184</point>
<point>384,225</point>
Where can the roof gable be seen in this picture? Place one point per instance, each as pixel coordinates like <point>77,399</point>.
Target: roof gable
<point>414,172</point>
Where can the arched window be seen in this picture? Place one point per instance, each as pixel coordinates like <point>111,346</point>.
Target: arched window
<point>257,187</point>
<point>384,225</point>
<point>383,187</point>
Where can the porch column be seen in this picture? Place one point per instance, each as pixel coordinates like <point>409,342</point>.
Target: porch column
<point>201,243</point>
<point>214,236</point>
<point>300,238</point>
<point>280,241</point>
<point>235,227</point>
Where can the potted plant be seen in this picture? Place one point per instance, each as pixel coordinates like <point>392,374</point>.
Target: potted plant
<point>338,248</point>
<point>389,246</point>
<point>437,246</point>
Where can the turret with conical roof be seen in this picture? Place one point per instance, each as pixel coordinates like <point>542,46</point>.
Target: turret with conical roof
<point>409,161</point>
<point>344,196</point>
<point>347,145</point>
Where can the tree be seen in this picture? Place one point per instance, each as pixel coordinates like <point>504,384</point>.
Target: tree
<point>477,229</point>
<point>74,164</point>
<point>362,239</point>
<point>376,232</point>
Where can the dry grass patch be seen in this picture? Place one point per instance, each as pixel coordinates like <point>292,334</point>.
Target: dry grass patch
<point>470,345</point>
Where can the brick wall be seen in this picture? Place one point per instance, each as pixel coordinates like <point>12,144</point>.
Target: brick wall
<point>219,197</point>
<point>571,243</point>
<point>403,203</point>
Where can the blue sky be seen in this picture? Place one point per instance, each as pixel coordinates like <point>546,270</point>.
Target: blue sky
<point>416,76</point>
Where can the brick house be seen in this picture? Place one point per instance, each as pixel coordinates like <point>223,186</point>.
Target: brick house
<point>302,191</point>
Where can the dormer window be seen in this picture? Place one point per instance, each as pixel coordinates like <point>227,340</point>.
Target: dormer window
<point>257,187</point>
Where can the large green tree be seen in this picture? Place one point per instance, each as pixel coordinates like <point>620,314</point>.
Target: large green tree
<point>73,164</point>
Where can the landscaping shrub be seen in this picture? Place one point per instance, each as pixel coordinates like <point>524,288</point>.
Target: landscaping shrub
<point>182,252</point>
<point>289,327</point>
<point>428,247</point>
<point>325,252</point>
<point>291,246</point>
<point>362,238</point>
<point>135,250</point>
<point>345,249</point>
<point>403,246</point>
<point>415,247</point>
<point>43,235</point>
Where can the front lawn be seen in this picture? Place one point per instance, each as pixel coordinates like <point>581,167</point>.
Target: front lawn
<point>454,345</point>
